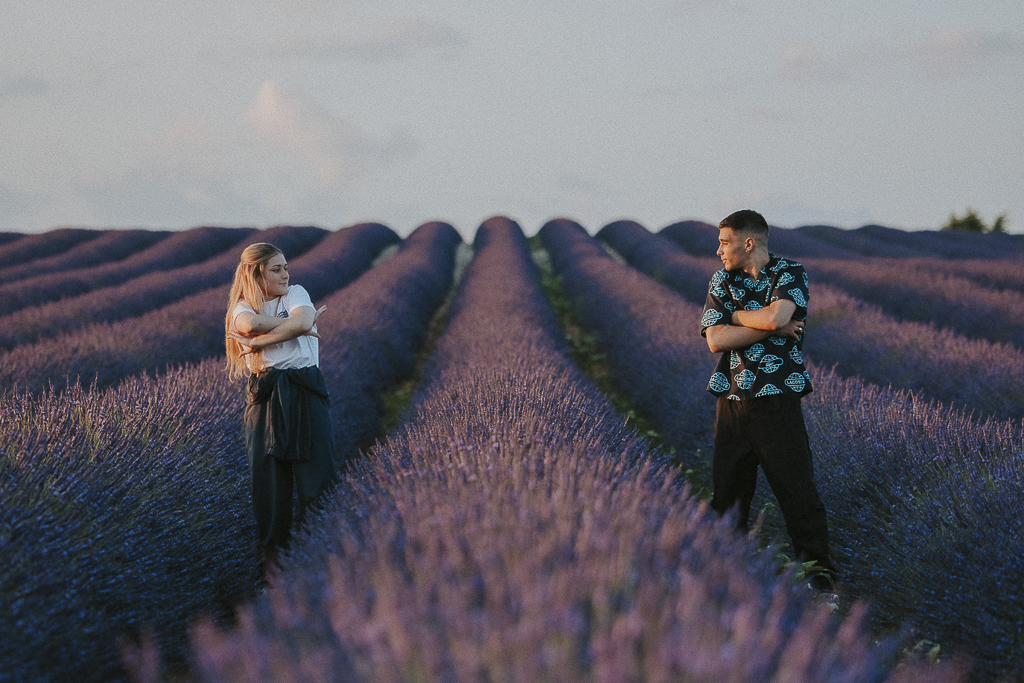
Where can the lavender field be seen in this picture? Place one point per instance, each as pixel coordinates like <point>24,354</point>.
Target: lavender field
<point>526,450</point>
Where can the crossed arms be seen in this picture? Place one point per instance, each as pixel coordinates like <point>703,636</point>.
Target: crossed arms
<point>749,327</point>
<point>256,331</point>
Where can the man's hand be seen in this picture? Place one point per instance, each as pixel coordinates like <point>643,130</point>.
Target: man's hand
<point>794,329</point>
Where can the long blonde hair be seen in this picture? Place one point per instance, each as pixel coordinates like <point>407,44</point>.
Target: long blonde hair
<point>247,288</point>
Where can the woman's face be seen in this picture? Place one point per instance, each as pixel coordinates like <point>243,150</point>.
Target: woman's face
<point>275,277</point>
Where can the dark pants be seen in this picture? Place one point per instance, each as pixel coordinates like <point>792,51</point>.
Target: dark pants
<point>290,443</point>
<point>274,482</point>
<point>770,432</point>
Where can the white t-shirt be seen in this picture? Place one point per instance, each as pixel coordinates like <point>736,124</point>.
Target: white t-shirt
<point>300,352</point>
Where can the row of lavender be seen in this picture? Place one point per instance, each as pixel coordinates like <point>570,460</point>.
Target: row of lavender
<point>71,248</point>
<point>332,307</point>
<point>929,293</point>
<point>106,247</point>
<point>151,289</point>
<point>513,529</point>
<point>924,502</point>
<point>188,329</point>
<point>977,292</point>
<point>107,262</point>
<point>823,241</point>
<point>55,244</point>
<point>978,298</point>
<point>856,337</point>
<point>128,508</point>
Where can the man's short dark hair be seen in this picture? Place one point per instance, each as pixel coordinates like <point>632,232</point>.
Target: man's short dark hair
<point>748,221</point>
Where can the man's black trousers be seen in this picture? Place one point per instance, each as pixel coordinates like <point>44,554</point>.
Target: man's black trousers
<point>770,432</point>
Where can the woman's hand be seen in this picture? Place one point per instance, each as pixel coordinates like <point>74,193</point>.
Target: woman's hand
<point>249,344</point>
<point>316,316</point>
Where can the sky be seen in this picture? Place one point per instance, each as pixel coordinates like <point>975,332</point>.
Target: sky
<point>174,114</point>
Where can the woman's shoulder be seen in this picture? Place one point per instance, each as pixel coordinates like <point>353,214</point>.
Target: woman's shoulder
<point>240,306</point>
<point>297,296</point>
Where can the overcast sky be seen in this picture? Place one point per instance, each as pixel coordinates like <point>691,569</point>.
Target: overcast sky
<point>172,114</point>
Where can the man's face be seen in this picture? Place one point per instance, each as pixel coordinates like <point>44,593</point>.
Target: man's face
<point>732,249</point>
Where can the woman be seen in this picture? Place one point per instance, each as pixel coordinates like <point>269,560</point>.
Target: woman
<point>271,337</point>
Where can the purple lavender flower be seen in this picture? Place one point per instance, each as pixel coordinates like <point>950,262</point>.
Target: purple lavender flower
<point>190,329</point>
<point>513,529</point>
<point>922,497</point>
<point>930,296</point>
<point>31,247</point>
<point>35,286</point>
<point>144,293</point>
<point>110,246</point>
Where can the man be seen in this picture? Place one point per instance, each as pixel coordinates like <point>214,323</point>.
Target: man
<point>754,315</point>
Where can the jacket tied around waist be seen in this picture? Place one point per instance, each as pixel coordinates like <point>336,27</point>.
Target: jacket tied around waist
<point>287,413</point>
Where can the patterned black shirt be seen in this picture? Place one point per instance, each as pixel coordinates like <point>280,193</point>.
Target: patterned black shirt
<point>775,365</point>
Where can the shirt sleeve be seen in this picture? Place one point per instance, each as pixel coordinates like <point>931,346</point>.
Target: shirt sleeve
<point>718,306</point>
<point>240,307</point>
<point>792,285</point>
<point>297,297</point>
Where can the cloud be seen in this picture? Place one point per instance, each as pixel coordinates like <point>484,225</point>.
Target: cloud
<point>12,87</point>
<point>294,128</point>
<point>390,40</point>
<point>943,54</point>
<point>161,196</point>
<point>284,159</point>
<point>954,52</point>
<point>806,62</point>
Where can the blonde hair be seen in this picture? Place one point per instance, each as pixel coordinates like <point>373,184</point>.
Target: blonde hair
<point>247,288</point>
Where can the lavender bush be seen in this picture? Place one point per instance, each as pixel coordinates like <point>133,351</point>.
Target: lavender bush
<point>180,249</point>
<point>697,238</point>
<point>638,324</point>
<point>119,510</point>
<point>875,240</point>
<point>145,293</point>
<point>185,331</point>
<point>924,508</point>
<point>131,542</point>
<point>6,237</point>
<point>930,296</point>
<point>373,328</point>
<point>933,362</point>
<point>854,337</point>
<point>32,247</point>
<point>110,246</point>
<point>870,240</point>
<point>995,273</point>
<point>700,239</point>
<point>661,258</point>
<point>824,241</point>
<point>513,530</point>
<point>800,243</point>
<point>959,245</point>
<point>922,499</point>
